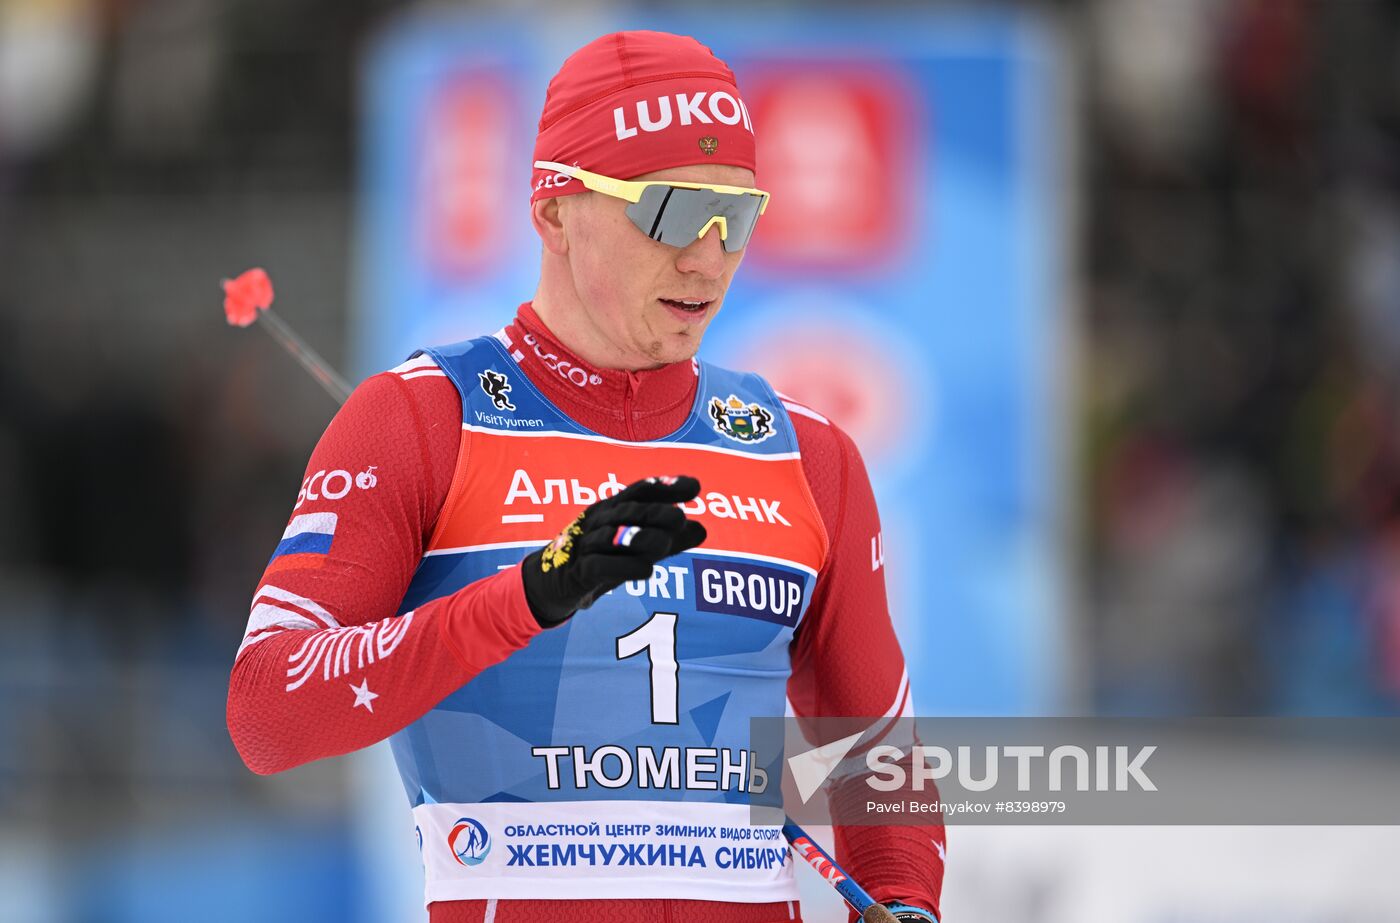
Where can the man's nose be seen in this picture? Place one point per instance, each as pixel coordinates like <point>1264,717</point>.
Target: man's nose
<point>705,255</point>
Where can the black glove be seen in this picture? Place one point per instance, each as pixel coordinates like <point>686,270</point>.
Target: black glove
<point>614,540</point>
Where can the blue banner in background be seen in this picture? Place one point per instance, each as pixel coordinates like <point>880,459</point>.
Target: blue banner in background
<point>908,280</point>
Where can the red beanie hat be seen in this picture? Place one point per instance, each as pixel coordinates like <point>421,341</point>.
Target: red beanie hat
<point>633,102</point>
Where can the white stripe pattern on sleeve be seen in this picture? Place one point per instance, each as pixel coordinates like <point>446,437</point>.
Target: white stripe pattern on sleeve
<point>331,650</point>
<point>276,608</point>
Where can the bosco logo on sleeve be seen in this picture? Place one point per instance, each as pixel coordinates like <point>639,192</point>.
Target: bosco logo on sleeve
<point>333,485</point>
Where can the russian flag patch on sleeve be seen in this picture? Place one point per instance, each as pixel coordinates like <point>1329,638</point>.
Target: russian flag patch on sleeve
<point>309,533</point>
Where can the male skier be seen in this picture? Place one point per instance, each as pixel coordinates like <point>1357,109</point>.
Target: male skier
<point>571,727</point>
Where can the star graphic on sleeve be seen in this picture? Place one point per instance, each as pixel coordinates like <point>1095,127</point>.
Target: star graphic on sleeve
<point>363,696</point>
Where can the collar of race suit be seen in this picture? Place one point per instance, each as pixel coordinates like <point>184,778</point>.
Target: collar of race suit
<point>619,404</point>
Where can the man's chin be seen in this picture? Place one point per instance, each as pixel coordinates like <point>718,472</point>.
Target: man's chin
<point>685,344</point>
<point>673,348</point>
<point>669,345</point>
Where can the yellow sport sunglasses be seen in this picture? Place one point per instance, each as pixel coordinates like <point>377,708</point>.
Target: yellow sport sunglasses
<point>678,213</point>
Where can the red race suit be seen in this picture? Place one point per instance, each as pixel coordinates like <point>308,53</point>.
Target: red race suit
<point>329,664</point>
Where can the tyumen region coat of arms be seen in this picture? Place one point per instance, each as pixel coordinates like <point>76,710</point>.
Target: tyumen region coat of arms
<point>739,421</point>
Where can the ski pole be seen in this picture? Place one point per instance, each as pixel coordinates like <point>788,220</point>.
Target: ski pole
<point>248,299</point>
<point>869,909</point>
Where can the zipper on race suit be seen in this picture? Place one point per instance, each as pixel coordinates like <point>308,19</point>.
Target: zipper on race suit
<point>627,396</point>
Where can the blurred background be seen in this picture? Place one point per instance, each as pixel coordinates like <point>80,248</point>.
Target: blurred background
<point>1118,338</point>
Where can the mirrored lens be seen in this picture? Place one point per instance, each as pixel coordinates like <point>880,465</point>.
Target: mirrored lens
<point>675,216</point>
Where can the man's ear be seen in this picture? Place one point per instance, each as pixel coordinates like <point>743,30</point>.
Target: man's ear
<point>545,216</point>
